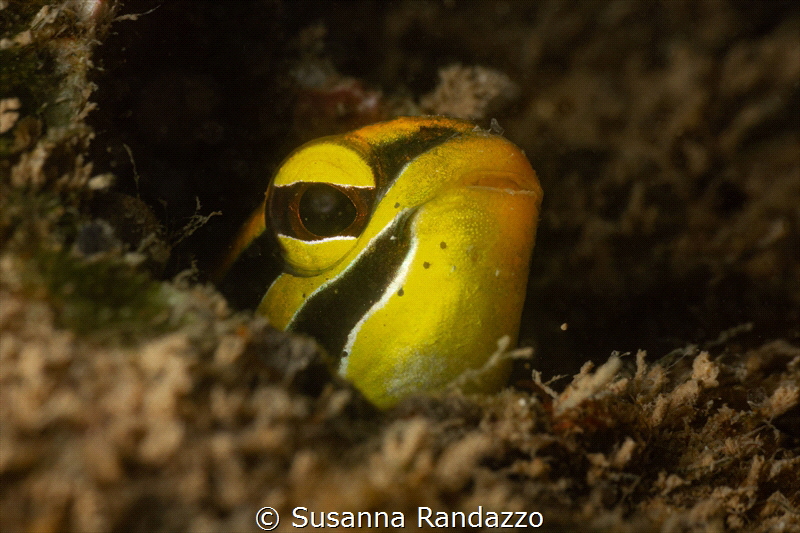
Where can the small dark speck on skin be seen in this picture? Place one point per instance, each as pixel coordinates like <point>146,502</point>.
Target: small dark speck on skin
<point>401,292</point>
<point>426,265</point>
<point>396,205</point>
<point>442,245</point>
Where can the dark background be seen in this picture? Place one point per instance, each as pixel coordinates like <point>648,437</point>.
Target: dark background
<point>664,135</point>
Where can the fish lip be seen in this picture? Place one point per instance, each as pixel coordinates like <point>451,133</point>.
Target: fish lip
<point>510,182</point>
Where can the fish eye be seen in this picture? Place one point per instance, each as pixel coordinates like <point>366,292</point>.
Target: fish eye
<point>325,210</point>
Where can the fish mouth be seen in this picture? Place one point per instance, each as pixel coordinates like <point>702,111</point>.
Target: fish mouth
<point>508,182</point>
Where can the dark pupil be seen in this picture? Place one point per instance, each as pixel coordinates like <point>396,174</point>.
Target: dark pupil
<point>326,211</point>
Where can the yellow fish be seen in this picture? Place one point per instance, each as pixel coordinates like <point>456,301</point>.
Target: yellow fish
<point>406,247</point>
